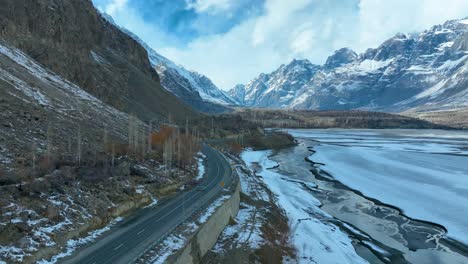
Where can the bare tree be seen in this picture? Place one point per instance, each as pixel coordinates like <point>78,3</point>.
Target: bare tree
<point>212,127</point>
<point>113,155</point>
<point>167,153</point>
<point>179,152</point>
<point>49,142</point>
<point>143,145</point>
<point>78,148</point>
<point>105,138</point>
<point>135,139</point>
<point>150,138</point>
<point>131,131</point>
<point>33,152</point>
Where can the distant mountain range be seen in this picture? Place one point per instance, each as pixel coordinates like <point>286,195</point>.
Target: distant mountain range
<point>426,71</point>
<point>191,87</point>
<point>408,72</point>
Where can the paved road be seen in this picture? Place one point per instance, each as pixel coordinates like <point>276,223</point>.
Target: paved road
<point>127,240</point>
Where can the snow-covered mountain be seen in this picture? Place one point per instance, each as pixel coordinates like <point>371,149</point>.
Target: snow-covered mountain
<point>421,71</point>
<point>192,87</point>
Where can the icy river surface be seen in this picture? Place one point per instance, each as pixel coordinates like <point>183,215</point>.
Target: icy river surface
<point>402,195</point>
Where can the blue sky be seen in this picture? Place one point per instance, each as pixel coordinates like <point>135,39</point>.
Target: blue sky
<point>232,41</point>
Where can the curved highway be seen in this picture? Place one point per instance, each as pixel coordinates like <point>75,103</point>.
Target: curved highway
<point>126,241</point>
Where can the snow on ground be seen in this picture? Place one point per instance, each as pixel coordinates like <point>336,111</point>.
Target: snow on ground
<point>201,166</point>
<point>251,186</point>
<point>419,175</point>
<point>210,210</point>
<point>171,244</point>
<point>73,244</point>
<point>154,201</point>
<point>314,239</point>
<point>37,70</point>
<point>43,230</point>
<point>245,231</point>
<point>247,227</point>
<point>13,253</point>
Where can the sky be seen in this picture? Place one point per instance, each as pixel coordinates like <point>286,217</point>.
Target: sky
<point>234,41</point>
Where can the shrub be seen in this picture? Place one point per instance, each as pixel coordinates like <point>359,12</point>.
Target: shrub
<point>235,148</point>
<point>8,178</point>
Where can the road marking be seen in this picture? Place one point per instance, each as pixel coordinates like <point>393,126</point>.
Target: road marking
<point>175,208</point>
<point>141,231</point>
<point>119,246</point>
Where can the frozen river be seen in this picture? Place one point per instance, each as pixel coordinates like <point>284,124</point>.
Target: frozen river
<point>424,173</point>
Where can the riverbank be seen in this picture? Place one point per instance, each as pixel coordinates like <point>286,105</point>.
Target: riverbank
<point>314,233</point>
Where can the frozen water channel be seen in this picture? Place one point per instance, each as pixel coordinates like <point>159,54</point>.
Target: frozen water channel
<point>401,195</point>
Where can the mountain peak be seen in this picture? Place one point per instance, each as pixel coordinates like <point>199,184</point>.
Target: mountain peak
<point>404,71</point>
<point>299,62</point>
<point>238,93</point>
<point>341,57</point>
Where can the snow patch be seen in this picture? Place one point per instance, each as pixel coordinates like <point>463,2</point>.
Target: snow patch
<point>73,244</point>
<point>208,212</point>
<point>171,244</point>
<point>201,166</point>
<point>98,58</point>
<point>244,231</point>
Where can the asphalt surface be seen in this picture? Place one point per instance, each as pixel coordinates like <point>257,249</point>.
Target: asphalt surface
<point>126,241</point>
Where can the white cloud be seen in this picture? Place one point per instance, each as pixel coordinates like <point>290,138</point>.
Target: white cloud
<point>212,6</point>
<point>310,29</point>
<point>115,6</point>
<point>379,19</point>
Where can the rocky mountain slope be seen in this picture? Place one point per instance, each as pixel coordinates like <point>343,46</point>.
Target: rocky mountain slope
<point>72,39</point>
<point>56,181</point>
<point>74,155</point>
<point>192,87</point>
<point>423,71</point>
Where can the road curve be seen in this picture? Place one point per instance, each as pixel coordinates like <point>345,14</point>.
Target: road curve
<point>130,238</point>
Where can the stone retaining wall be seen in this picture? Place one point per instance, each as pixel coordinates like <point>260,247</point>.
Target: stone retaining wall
<point>207,235</point>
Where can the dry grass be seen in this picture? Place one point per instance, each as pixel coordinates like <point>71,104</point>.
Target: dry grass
<point>276,233</point>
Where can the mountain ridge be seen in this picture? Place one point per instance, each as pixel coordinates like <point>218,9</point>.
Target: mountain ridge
<point>419,71</point>
<point>73,40</point>
<point>192,87</point>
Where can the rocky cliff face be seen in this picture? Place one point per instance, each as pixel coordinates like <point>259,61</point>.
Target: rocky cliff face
<point>72,39</point>
<point>277,89</point>
<point>341,57</point>
<point>424,71</point>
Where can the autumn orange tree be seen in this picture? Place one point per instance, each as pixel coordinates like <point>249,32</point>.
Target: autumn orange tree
<point>173,147</point>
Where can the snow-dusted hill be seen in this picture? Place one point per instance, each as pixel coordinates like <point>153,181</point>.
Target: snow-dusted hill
<point>192,87</point>
<point>422,71</point>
